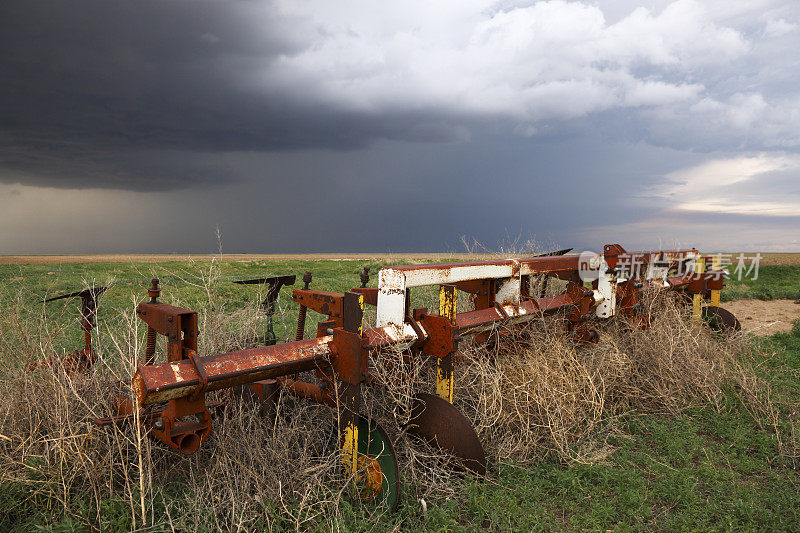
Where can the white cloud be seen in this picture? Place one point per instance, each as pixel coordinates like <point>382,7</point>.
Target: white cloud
<point>683,230</point>
<point>528,62</point>
<point>703,75</point>
<point>779,27</point>
<point>733,186</point>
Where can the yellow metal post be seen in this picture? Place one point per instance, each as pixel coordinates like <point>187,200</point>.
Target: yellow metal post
<point>697,299</point>
<point>444,365</point>
<point>350,448</point>
<point>353,321</point>
<point>716,264</point>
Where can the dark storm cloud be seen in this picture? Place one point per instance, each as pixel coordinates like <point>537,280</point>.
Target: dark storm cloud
<point>137,95</point>
<point>315,125</point>
<point>92,89</point>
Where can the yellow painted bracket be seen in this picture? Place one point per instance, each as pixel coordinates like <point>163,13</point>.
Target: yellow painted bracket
<point>697,299</point>
<point>350,448</point>
<point>448,301</point>
<point>716,264</point>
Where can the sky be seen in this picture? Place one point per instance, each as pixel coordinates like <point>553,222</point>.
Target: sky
<point>319,126</point>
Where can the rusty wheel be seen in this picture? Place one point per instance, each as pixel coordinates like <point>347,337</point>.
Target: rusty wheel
<point>442,425</point>
<point>720,320</point>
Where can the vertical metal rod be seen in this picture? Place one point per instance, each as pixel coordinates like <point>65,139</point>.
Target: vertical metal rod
<point>444,365</point>
<point>353,319</point>
<point>543,292</point>
<point>697,299</point>
<point>301,315</point>
<point>716,264</point>
<point>150,351</point>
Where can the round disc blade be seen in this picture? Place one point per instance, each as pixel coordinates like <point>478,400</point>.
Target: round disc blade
<point>376,447</point>
<point>443,426</point>
<point>720,319</point>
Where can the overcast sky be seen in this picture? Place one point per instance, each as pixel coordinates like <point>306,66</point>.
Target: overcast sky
<point>398,126</point>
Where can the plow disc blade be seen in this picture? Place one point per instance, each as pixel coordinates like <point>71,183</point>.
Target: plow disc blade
<point>443,426</point>
<point>378,464</point>
<point>720,319</point>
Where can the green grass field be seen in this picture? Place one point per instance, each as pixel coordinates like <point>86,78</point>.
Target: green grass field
<point>706,469</point>
<point>773,282</point>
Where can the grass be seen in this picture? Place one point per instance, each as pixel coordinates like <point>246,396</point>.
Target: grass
<point>774,282</point>
<point>27,285</point>
<point>704,468</point>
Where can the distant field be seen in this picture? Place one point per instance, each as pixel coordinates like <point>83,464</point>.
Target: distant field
<point>163,258</point>
<point>779,259</point>
<point>766,258</point>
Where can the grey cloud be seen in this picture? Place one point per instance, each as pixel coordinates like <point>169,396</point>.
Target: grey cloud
<point>93,89</point>
<point>141,95</point>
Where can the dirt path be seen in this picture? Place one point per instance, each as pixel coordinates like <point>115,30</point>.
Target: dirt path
<point>765,317</point>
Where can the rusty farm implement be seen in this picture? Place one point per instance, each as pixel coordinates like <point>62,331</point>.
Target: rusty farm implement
<point>171,393</point>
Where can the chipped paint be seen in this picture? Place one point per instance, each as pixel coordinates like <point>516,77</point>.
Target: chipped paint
<point>176,371</point>
<point>508,292</point>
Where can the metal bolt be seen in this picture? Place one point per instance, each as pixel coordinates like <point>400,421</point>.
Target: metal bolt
<point>154,291</point>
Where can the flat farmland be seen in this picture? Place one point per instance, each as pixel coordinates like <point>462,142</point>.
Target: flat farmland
<point>766,258</point>
<point>704,465</point>
<point>166,258</point>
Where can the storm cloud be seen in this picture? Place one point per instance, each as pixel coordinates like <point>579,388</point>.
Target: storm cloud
<point>526,110</point>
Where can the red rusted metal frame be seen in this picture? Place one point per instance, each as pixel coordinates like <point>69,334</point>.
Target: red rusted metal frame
<point>370,294</point>
<point>343,355</point>
<point>628,298</point>
<point>699,283</point>
<point>323,302</point>
<point>166,381</point>
<point>575,300</point>
<point>177,324</point>
<point>186,421</point>
<point>155,383</point>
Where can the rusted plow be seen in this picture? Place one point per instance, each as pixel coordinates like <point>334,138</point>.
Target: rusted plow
<point>171,395</point>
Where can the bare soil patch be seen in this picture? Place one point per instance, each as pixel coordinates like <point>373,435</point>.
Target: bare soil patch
<point>779,259</point>
<point>765,317</point>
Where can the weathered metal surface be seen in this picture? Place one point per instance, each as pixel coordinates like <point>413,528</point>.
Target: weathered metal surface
<point>370,294</point>
<point>309,391</point>
<point>324,302</point>
<point>720,319</point>
<point>444,427</point>
<point>158,383</point>
<point>499,292</point>
<point>391,298</point>
<point>184,424</point>
<point>448,305</point>
<point>179,325</point>
<point>451,273</point>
